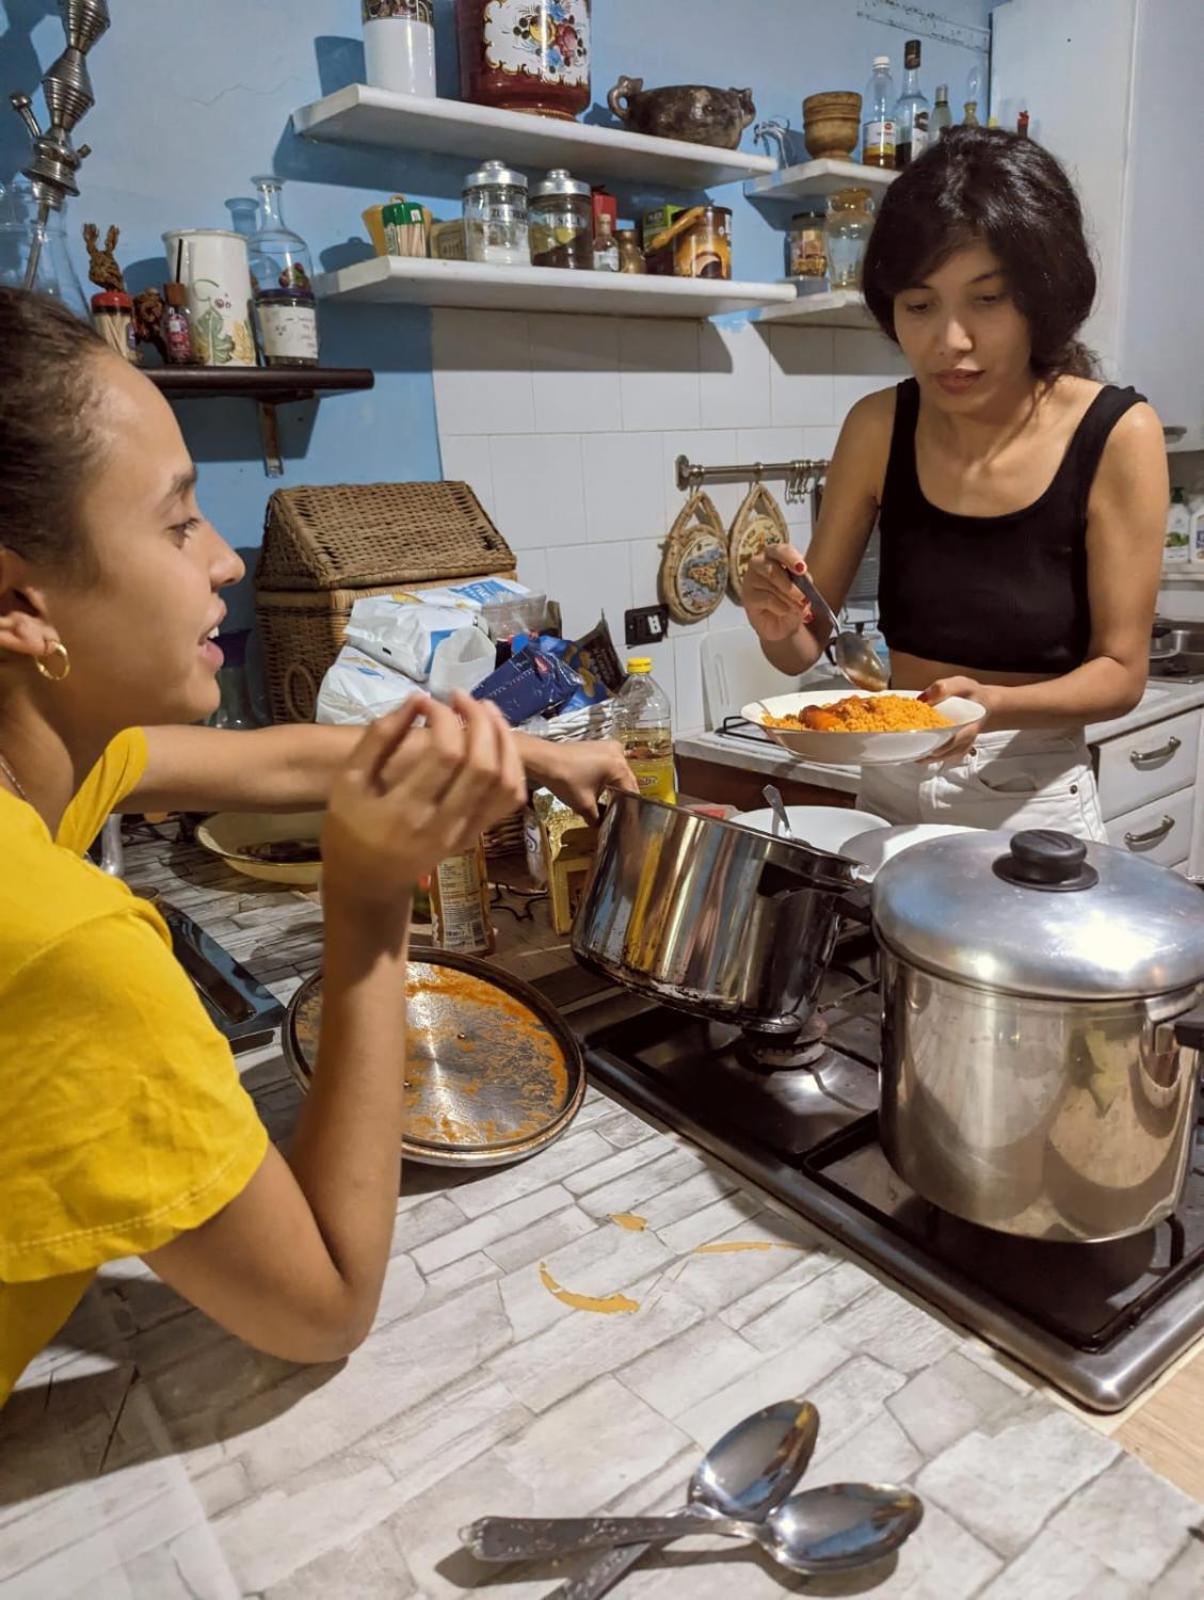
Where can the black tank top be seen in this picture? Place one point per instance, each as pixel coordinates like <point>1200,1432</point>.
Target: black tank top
<point>997,594</point>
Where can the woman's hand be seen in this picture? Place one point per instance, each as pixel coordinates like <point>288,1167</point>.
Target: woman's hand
<point>983,694</point>
<point>776,609</point>
<point>411,796</point>
<point>580,773</point>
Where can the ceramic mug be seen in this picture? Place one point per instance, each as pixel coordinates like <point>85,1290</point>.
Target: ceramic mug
<point>213,266</point>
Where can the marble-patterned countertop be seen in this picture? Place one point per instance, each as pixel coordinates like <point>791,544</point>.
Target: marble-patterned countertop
<point>148,1456</point>
<point>1161,700</point>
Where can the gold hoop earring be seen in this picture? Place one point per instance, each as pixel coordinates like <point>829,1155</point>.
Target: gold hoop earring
<point>55,652</point>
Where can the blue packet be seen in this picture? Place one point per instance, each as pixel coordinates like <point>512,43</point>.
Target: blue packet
<point>592,658</point>
<point>530,684</point>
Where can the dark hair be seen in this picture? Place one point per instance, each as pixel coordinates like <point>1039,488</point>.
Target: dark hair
<point>47,440</point>
<point>1005,190</point>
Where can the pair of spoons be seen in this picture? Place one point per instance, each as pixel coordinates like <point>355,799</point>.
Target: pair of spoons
<point>741,1489</point>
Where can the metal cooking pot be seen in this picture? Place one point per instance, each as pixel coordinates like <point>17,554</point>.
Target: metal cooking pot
<point>1042,1030</point>
<point>711,917</point>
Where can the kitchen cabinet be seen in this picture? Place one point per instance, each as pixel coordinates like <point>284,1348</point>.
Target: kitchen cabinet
<point>1148,787</point>
<point>1111,87</point>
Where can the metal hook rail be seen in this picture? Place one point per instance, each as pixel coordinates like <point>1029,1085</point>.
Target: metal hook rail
<point>802,476</point>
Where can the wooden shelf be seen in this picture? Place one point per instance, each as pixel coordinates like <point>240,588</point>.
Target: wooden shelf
<point>403,280</point>
<point>814,181</point>
<point>365,116</point>
<point>836,308</point>
<point>271,386</point>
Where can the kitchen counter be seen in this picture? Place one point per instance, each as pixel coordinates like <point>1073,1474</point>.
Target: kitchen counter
<point>1161,700</point>
<point>147,1456</point>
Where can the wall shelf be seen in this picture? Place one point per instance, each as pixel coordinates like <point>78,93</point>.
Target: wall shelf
<point>269,385</point>
<point>835,308</point>
<point>814,181</point>
<point>365,116</point>
<point>405,280</point>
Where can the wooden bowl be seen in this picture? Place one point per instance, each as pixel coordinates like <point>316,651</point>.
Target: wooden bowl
<point>832,124</point>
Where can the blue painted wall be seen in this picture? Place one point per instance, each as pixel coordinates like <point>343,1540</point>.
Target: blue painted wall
<point>192,99</point>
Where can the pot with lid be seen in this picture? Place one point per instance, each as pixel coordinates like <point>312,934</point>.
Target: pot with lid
<point>1042,1028</point>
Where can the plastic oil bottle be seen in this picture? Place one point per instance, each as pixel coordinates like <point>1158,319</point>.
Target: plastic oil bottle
<point>644,727</point>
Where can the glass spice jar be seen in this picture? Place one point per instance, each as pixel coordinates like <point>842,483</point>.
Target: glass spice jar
<point>496,231</point>
<point>177,326</point>
<point>562,222</point>
<point>806,246</point>
<point>849,225</point>
<point>113,316</point>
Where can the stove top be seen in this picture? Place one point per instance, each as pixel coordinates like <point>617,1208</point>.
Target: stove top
<point>1099,1322</point>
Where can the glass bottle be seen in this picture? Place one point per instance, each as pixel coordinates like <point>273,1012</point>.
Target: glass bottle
<point>244,215</point>
<point>644,727</point>
<point>282,279</point>
<point>631,257</point>
<point>235,710</point>
<point>912,110</point>
<point>942,117</point>
<point>850,223</point>
<point>496,229</point>
<point>878,130</point>
<point>606,246</point>
<point>177,326</point>
<point>19,230</point>
<point>562,232</point>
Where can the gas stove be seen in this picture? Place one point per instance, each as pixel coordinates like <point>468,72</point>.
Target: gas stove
<point>1099,1322</point>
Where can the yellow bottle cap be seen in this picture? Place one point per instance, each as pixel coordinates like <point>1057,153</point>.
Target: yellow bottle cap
<point>639,664</point>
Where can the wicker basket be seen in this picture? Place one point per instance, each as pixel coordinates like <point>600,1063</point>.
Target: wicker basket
<point>325,548</point>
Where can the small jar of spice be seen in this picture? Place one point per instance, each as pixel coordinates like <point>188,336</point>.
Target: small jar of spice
<point>806,246</point>
<point>177,326</point>
<point>113,315</point>
<point>562,222</point>
<point>495,216</point>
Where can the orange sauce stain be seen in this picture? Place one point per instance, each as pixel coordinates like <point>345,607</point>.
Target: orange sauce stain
<point>628,1222</point>
<point>736,1245</point>
<point>607,1305</point>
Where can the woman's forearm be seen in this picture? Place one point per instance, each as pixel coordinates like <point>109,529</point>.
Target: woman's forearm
<point>795,655</point>
<point>1097,691</point>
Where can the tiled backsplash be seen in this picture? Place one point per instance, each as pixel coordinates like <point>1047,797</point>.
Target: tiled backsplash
<point>568,429</point>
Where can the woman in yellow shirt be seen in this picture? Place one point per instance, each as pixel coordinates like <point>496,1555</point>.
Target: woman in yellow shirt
<point>126,1130</point>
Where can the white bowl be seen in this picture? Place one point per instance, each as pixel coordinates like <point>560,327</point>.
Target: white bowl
<point>229,833</point>
<point>873,849</point>
<point>857,749</point>
<point>826,827</point>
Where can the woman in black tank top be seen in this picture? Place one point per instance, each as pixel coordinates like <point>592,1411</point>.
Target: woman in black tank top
<point>1020,503</point>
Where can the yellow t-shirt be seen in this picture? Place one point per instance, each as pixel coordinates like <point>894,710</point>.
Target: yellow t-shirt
<point>124,1121</point>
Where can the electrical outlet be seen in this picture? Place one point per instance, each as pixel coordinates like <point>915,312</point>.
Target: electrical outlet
<point>647,624</point>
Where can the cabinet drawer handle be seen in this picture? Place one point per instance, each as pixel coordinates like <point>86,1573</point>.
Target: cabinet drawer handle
<point>1153,836</point>
<point>1141,758</point>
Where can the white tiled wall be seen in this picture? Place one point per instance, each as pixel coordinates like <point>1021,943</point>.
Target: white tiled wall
<point>568,429</point>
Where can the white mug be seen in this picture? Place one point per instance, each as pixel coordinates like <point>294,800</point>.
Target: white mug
<point>214,267</point>
<point>399,45</point>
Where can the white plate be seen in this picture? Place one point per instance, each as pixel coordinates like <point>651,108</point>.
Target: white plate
<point>874,849</point>
<point>825,827</point>
<point>857,749</point>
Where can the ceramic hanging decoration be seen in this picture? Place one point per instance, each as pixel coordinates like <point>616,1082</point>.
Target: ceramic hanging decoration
<point>760,521</point>
<point>694,570</point>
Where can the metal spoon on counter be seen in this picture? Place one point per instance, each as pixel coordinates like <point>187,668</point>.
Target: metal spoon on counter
<point>773,799</point>
<point>819,1531</point>
<point>748,1473</point>
<point>852,652</point>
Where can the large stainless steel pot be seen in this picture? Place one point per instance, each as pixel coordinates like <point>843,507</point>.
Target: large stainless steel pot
<point>711,917</point>
<point>1042,1031</point>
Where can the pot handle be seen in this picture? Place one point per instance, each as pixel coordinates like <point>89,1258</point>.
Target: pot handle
<point>777,881</point>
<point>855,903</point>
<point>1189,1029</point>
<point>620,96</point>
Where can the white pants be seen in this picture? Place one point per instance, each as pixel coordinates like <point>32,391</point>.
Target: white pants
<point>1006,780</point>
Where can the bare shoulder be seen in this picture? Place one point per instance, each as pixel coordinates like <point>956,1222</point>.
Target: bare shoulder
<point>1136,449</point>
<point>872,416</point>
<point>863,448</point>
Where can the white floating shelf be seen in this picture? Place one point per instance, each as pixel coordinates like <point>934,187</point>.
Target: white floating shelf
<point>837,308</point>
<point>816,180</point>
<point>365,116</point>
<point>403,280</point>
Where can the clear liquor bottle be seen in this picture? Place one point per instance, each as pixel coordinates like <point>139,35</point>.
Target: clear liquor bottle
<point>912,111</point>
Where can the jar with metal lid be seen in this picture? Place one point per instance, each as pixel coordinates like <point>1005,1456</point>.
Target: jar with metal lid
<point>806,246</point>
<point>847,232</point>
<point>496,229</point>
<point>562,222</point>
<point>1042,1031</point>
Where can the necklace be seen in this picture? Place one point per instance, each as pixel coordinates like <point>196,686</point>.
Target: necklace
<point>14,780</point>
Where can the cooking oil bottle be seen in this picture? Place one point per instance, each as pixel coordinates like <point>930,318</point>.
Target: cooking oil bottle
<point>644,727</point>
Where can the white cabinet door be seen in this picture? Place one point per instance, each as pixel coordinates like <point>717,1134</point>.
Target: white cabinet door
<point>1160,832</point>
<point>1153,761</point>
<point>1162,325</point>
